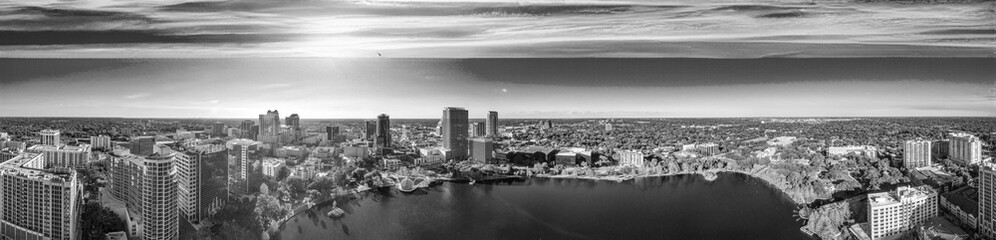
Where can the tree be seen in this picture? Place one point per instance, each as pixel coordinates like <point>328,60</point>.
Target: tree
<point>96,221</point>
<point>296,185</point>
<point>269,209</point>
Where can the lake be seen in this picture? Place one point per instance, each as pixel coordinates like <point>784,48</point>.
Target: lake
<point>734,206</point>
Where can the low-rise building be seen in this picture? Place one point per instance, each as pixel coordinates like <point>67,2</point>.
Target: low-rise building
<point>64,155</point>
<point>963,203</point>
<point>869,151</point>
<point>272,166</point>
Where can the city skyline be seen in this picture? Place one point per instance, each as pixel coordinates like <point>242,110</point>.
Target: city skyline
<point>519,88</point>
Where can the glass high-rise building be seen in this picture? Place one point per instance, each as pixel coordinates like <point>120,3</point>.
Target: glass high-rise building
<point>454,132</point>
<point>269,126</point>
<point>242,155</point>
<point>382,135</point>
<point>492,124</point>
<point>202,172</point>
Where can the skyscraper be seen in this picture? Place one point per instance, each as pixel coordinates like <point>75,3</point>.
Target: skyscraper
<point>331,132</point>
<point>217,129</point>
<point>383,132</point>
<point>369,128</point>
<point>245,129</point>
<point>37,203</point>
<point>454,131</point>
<point>492,124</point>
<point>202,172</point>
<point>242,154</point>
<point>148,187</point>
<point>477,129</point>
<point>294,122</point>
<point>916,154</point>
<point>269,126</point>
<point>50,137</point>
<point>987,200</point>
<point>965,148</point>
<point>482,149</point>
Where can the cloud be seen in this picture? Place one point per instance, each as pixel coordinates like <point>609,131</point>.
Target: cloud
<point>137,95</point>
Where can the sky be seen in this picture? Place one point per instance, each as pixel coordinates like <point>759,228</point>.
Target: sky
<point>525,59</point>
<point>494,28</point>
<point>516,88</point>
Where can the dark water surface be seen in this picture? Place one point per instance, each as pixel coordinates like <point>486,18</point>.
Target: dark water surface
<point>734,206</point>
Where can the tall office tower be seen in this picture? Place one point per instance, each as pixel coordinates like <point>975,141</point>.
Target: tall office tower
<point>143,146</point>
<point>254,132</point>
<point>217,129</point>
<point>916,154</point>
<point>245,129</point>
<point>148,186</point>
<point>482,149</point>
<point>454,132</point>
<point>242,156</point>
<point>37,203</point>
<point>896,212</point>
<point>940,148</point>
<point>987,200</point>
<point>492,124</point>
<point>383,132</point>
<point>269,124</point>
<point>101,142</point>
<point>50,137</point>
<point>293,122</point>
<point>965,148</point>
<point>331,132</point>
<point>370,128</point>
<point>202,175</point>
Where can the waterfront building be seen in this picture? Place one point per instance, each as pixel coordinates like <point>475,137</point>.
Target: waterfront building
<point>492,124</point>
<point>142,146</point>
<point>217,129</point>
<point>64,155</point>
<point>454,132</point>
<point>50,137</point>
<point>391,164</point>
<point>101,142</point>
<point>987,200</point>
<point>272,167</point>
<point>430,156</point>
<point>916,154</point>
<point>965,148</point>
<point>38,203</point>
<point>631,158</point>
<point>202,175</point>
<point>243,154</point>
<point>382,139</point>
<point>868,151</point>
<point>269,127</point>
<point>482,149</point>
<point>566,158</point>
<point>896,212</point>
<point>148,187</point>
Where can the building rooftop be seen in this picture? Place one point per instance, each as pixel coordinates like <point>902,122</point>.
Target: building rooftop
<point>940,228</point>
<point>966,198</point>
<point>897,196</point>
<point>64,148</point>
<point>31,165</point>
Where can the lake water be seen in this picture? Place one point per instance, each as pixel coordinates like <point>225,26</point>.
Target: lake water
<point>734,206</point>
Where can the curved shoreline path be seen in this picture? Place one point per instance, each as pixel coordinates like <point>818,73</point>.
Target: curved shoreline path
<point>733,206</point>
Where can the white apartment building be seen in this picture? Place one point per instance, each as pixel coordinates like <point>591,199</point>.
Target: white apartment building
<point>64,155</point>
<point>631,158</point>
<point>148,186</point>
<point>965,148</point>
<point>24,188</point>
<point>896,212</point>
<point>916,154</point>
